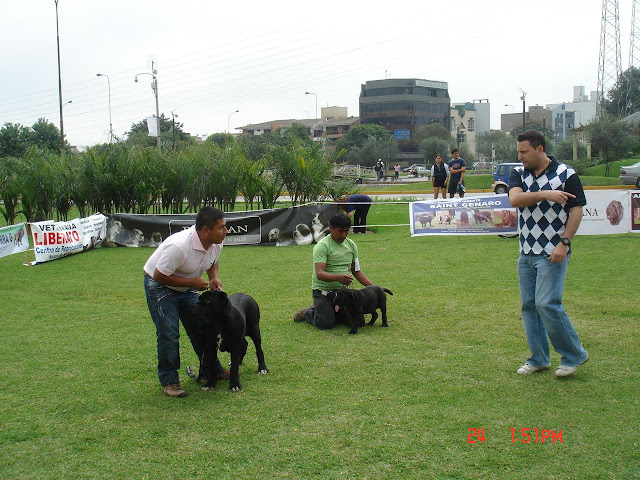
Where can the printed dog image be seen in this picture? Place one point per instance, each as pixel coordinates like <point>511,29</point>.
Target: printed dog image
<point>464,219</point>
<point>302,234</point>
<point>319,230</point>
<point>356,303</point>
<point>226,321</point>
<point>426,218</point>
<point>615,212</point>
<point>480,217</point>
<point>508,219</point>
<point>18,238</point>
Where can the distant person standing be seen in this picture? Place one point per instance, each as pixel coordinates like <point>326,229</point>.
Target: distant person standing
<point>356,206</point>
<point>396,170</point>
<point>439,175</point>
<point>549,197</point>
<point>457,167</point>
<point>378,170</point>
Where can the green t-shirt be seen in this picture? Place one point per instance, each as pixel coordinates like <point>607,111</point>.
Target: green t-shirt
<point>338,258</point>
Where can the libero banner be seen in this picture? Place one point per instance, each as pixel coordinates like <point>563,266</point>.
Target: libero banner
<point>13,239</point>
<point>52,240</point>
<point>487,215</point>
<point>302,225</point>
<point>606,212</point>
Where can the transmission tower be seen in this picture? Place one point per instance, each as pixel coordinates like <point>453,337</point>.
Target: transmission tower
<point>610,65</point>
<point>634,59</point>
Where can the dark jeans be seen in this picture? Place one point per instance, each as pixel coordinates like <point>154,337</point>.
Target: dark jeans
<point>360,218</point>
<point>168,307</point>
<point>322,313</point>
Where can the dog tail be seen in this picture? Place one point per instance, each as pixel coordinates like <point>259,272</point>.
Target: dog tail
<point>387,290</point>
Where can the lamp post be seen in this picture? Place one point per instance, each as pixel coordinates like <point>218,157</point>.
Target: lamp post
<point>316,118</point>
<point>459,133</point>
<point>66,103</point>
<point>173,129</point>
<point>513,113</point>
<point>524,121</point>
<point>154,88</point>
<point>109,85</point>
<point>59,81</point>
<point>229,120</point>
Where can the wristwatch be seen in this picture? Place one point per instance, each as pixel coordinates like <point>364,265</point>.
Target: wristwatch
<point>566,241</point>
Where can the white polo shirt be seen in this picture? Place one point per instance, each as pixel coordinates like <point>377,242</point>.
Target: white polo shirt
<point>182,255</point>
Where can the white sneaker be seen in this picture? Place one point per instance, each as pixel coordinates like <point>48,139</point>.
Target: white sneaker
<point>565,371</point>
<point>528,369</point>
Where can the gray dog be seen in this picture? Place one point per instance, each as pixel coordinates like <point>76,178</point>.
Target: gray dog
<point>355,303</point>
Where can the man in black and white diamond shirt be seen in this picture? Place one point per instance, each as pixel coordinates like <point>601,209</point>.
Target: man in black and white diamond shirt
<point>549,197</point>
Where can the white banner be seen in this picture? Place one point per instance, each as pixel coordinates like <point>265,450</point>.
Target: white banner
<point>606,212</point>
<point>13,239</point>
<point>53,240</point>
<point>152,125</point>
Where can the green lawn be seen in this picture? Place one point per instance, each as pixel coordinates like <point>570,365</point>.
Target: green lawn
<point>80,397</point>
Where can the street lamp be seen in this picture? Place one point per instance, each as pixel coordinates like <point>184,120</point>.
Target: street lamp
<point>109,85</point>
<point>173,128</point>
<point>229,120</point>
<point>66,103</point>
<point>59,81</point>
<point>316,118</point>
<point>524,122</point>
<point>460,132</point>
<point>154,88</point>
<point>513,113</point>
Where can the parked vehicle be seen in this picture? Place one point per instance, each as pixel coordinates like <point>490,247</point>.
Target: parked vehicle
<point>501,177</point>
<point>421,168</point>
<point>630,175</point>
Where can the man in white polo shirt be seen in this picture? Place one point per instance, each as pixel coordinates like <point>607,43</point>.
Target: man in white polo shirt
<point>172,277</point>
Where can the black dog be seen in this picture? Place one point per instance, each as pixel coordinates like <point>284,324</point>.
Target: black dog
<point>358,302</point>
<point>225,321</point>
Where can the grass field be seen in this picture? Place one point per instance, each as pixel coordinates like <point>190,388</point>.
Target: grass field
<point>80,396</point>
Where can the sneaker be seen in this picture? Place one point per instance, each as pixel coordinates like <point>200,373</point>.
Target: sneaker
<point>301,315</point>
<point>565,371</point>
<point>528,369</point>
<point>174,390</point>
<point>223,374</point>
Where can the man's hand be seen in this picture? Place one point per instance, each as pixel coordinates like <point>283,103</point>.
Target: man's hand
<point>199,284</point>
<point>345,279</point>
<point>558,196</point>
<point>559,253</point>
<point>215,284</point>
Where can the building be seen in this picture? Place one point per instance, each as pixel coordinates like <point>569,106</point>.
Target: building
<point>334,123</point>
<point>535,113</point>
<point>469,120</point>
<point>568,115</point>
<point>403,104</point>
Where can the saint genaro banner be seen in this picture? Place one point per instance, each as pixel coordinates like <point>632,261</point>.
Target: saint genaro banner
<point>490,215</point>
<point>52,240</point>
<point>302,225</point>
<point>13,239</point>
<point>606,212</point>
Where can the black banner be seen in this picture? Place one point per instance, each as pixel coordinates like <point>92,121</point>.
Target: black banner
<point>301,225</point>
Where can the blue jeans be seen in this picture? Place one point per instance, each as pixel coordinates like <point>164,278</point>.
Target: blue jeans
<point>541,288</point>
<point>168,307</point>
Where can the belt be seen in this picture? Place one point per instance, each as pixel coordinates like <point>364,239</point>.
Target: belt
<point>325,292</point>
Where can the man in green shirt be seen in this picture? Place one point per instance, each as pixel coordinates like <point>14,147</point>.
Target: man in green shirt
<point>335,259</point>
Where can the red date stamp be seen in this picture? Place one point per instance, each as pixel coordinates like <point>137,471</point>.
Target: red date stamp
<point>519,435</point>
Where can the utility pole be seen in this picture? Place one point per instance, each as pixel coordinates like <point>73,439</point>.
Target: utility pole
<point>59,82</point>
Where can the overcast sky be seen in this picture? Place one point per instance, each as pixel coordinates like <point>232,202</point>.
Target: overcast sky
<point>215,57</point>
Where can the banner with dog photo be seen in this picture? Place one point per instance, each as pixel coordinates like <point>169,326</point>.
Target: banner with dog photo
<point>488,215</point>
<point>300,225</point>
<point>635,210</point>
<point>13,239</point>
<point>52,240</point>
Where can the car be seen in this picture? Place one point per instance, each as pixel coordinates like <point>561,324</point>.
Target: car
<point>482,165</point>
<point>421,168</point>
<point>501,177</point>
<point>630,175</point>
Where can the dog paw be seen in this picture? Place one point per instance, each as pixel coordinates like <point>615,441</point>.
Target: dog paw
<point>263,371</point>
<point>206,389</point>
<point>385,324</point>
<point>235,389</point>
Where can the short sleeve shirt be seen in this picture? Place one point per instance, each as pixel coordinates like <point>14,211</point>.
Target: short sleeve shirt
<point>542,225</point>
<point>356,198</point>
<point>183,255</point>
<point>456,165</point>
<point>337,257</point>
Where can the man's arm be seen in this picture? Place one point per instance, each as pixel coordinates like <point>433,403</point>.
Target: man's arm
<point>214,281</point>
<point>518,198</point>
<point>360,276</point>
<point>322,274</point>
<point>196,283</point>
<point>560,250</point>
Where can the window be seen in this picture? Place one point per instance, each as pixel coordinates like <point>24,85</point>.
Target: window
<point>471,124</point>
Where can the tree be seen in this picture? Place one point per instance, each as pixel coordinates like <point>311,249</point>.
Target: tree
<point>356,136</point>
<point>504,144</point>
<point>139,134</point>
<point>432,130</point>
<point>365,144</point>
<point>14,140</point>
<point>612,138</point>
<point>622,100</point>
<point>433,146</point>
<point>45,135</point>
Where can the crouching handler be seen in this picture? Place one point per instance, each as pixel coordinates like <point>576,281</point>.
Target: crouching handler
<point>335,259</point>
<point>172,277</point>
